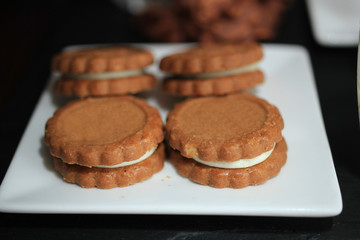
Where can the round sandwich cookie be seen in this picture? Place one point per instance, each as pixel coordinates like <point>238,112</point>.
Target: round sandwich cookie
<point>106,142</point>
<point>103,71</point>
<point>226,141</point>
<point>213,69</point>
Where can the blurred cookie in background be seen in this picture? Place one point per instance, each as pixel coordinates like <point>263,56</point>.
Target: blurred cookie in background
<point>212,20</point>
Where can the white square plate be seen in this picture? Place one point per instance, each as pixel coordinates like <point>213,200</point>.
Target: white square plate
<point>306,186</point>
<point>335,23</point>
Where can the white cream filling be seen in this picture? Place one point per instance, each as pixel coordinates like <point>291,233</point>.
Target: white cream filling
<point>123,164</point>
<point>241,163</point>
<point>239,70</point>
<point>106,75</point>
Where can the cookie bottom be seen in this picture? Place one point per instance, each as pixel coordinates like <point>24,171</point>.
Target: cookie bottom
<point>112,177</point>
<point>213,86</point>
<point>105,87</point>
<point>231,178</point>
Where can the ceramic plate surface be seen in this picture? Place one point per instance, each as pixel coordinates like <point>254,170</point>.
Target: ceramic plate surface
<point>306,186</point>
<point>335,23</point>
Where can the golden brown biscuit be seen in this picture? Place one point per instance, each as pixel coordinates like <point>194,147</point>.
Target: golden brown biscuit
<point>224,128</point>
<point>240,132</point>
<point>103,71</point>
<point>213,69</point>
<point>112,177</point>
<point>103,131</point>
<point>212,58</point>
<point>106,142</point>
<point>231,178</point>
<point>213,86</point>
<point>105,87</point>
<point>101,59</point>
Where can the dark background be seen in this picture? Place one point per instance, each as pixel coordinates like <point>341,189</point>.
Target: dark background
<point>33,31</point>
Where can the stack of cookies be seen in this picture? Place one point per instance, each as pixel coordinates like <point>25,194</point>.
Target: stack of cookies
<point>213,69</point>
<point>103,71</point>
<point>228,141</point>
<point>222,137</point>
<point>105,140</point>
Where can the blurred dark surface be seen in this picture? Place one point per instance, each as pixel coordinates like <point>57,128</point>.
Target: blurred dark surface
<point>34,31</point>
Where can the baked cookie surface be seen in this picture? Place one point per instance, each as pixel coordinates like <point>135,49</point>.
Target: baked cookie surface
<point>212,58</point>
<point>213,69</point>
<point>213,86</point>
<point>231,178</point>
<point>105,87</point>
<point>112,177</point>
<point>101,59</point>
<point>103,131</point>
<point>224,128</point>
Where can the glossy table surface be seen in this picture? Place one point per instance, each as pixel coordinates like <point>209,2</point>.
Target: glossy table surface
<point>66,23</point>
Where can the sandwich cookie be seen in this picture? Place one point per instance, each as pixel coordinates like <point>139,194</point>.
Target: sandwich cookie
<point>226,141</point>
<point>213,69</point>
<point>106,142</point>
<point>103,71</point>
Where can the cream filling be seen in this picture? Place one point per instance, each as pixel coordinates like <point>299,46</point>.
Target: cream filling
<point>241,163</point>
<point>106,75</point>
<point>123,164</point>
<point>234,71</point>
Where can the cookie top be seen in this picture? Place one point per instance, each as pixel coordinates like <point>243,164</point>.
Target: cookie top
<point>101,59</point>
<point>225,128</point>
<point>103,131</point>
<point>212,58</point>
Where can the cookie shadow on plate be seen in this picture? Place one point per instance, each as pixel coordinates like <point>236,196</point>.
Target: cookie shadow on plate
<point>56,99</point>
<point>46,157</point>
<point>252,91</point>
<point>60,101</point>
<point>158,97</point>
